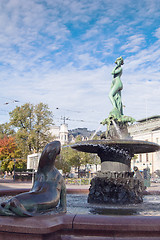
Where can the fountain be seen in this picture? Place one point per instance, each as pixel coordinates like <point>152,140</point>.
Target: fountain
<point>115,183</point>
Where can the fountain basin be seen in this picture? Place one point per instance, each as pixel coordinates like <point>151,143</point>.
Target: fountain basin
<point>115,183</point>
<point>116,155</point>
<point>133,146</point>
<point>79,226</point>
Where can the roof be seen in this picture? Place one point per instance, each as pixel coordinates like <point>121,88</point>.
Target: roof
<point>149,118</point>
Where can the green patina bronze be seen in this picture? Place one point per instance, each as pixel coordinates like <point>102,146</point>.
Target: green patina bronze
<point>116,87</point>
<point>116,114</point>
<point>48,192</point>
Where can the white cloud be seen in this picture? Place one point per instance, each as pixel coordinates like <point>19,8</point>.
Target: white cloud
<point>87,60</point>
<point>134,43</point>
<point>62,53</point>
<point>124,29</point>
<point>104,20</point>
<point>91,33</point>
<point>109,45</point>
<point>157,33</point>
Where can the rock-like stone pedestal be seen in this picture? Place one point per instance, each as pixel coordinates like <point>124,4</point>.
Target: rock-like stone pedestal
<point>115,188</point>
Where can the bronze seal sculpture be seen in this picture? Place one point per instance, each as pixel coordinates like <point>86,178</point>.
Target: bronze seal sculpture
<point>48,189</point>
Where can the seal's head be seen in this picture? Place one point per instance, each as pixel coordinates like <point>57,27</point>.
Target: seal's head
<point>48,155</point>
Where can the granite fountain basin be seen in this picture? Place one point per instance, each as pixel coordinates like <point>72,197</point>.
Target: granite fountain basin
<point>87,221</point>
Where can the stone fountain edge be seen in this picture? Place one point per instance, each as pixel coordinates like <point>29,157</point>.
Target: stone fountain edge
<point>68,226</point>
<point>76,226</point>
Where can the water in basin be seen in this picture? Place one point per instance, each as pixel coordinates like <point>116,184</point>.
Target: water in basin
<point>77,204</point>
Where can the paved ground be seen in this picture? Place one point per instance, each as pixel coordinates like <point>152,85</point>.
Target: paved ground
<point>9,184</point>
<point>154,187</point>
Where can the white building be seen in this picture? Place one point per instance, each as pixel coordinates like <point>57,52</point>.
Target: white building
<point>33,161</point>
<point>63,134</point>
<point>60,133</point>
<point>147,130</point>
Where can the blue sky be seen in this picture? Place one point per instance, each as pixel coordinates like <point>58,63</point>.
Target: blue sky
<point>62,53</point>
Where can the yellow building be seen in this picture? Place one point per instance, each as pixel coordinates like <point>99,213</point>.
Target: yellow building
<point>147,130</point>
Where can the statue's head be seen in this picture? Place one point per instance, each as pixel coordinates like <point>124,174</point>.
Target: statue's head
<point>49,154</point>
<point>119,60</point>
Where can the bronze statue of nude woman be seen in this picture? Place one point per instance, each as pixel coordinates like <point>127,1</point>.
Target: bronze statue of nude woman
<point>116,115</point>
<point>116,87</point>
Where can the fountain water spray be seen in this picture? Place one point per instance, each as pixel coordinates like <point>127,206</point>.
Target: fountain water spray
<point>117,129</point>
<point>96,132</point>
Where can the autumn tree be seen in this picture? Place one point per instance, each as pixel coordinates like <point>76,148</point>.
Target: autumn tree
<point>32,124</point>
<point>18,163</point>
<point>9,151</point>
<point>8,148</point>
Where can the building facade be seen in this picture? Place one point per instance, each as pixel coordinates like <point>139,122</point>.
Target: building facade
<point>60,133</point>
<point>147,130</point>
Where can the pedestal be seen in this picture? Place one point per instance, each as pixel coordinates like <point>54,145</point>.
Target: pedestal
<point>115,188</point>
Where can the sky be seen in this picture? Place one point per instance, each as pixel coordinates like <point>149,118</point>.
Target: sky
<point>62,53</point>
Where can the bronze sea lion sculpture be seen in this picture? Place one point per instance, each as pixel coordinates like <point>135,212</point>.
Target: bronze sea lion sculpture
<point>48,188</point>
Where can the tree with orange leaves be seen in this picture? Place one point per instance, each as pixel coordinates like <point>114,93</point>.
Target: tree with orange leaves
<point>8,148</point>
<point>8,152</point>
